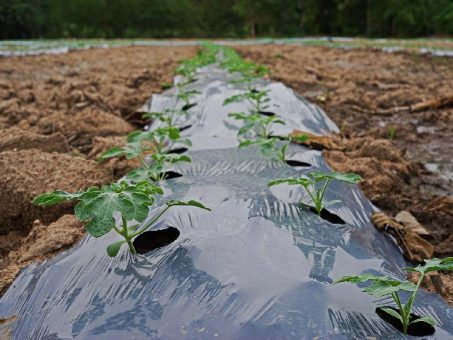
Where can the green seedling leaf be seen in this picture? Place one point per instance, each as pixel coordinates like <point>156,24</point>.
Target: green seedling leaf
<point>393,313</point>
<point>188,203</point>
<point>170,158</point>
<point>138,136</point>
<point>185,141</point>
<point>113,152</point>
<point>327,204</point>
<point>426,319</point>
<point>173,133</point>
<point>316,183</point>
<point>55,197</point>
<point>346,177</point>
<point>234,99</point>
<point>380,285</point>
<point>246,143</point>
<point>433,265</point>
<point>139,174</point>
<point>242,116</point>
<point>97,207</point>
<point>114,248</point>
<point>291,181</point>
<point>384,287</point>
<point>359,278</point>
<point>130,150</point>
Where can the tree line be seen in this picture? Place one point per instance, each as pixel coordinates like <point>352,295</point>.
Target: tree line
<point>223,18</point>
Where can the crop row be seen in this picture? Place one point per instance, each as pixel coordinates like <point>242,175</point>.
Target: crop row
<point>124,206</point>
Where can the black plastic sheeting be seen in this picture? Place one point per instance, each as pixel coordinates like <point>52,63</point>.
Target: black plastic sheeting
<point>259,266</point>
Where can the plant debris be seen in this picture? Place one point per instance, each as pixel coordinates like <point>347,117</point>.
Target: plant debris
<point>408,233</point>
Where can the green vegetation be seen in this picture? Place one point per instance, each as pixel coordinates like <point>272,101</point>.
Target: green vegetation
<point>386,286</point>
<point>258,123</point>
<point>97,208</point>
<point>205,56</point>
<point>222,18</point>
<point>141,144</point>
<point>257,98</point>
<point>125,206</point>
<point>316,184</point>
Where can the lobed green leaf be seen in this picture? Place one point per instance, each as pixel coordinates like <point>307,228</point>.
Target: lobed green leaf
<point>433,265</point>
<point>51,198</point>
<point>192,203</point>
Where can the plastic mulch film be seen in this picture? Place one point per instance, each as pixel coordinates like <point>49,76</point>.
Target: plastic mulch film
<point>259,266</point>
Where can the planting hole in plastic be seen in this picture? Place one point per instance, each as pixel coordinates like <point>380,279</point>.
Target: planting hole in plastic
<point>153,239</point>
<point>188,106</point>
<point>170,174</point>
<point>416,329</point>
<point>267,113</point>
<point>185,127</point>
<point>296,163</point>
<point>328,216</point>
<point>178,150</point>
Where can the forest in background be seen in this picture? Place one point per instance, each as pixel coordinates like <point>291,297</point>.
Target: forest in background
<point>32,19</point>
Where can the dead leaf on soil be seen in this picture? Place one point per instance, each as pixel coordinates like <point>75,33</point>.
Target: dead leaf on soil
<point>315,141</point>
<point>415,248</point>
<point>405,218</point>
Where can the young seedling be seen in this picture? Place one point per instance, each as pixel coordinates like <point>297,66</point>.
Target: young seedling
<point>249,71</point>
<point>156,170</point>
<point>257,130</point>
<point>258,99</point>
<point>386,286</point>
<point>205,56</point>
<point>391,132</point>
<point>269,147</point>
<point>186,97</point>
<point>130,203</point>
<point>255,125</point>
<point>316,184</point>
<point>168,117</point>
<point>141,144</point>
<point>272,146</point>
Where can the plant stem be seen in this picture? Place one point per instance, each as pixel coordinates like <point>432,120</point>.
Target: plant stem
<point>408,306</point>
<point>402,311</point>
<point>313,199</point>
<point>320,196</point>
<point>126,236</point>
<point>150,223</point>
<point>142,161</point>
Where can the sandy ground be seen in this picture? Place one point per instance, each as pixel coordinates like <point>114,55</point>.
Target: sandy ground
<point>58,113</point>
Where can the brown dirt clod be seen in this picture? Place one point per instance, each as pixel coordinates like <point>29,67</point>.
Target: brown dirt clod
<point>28,173</point>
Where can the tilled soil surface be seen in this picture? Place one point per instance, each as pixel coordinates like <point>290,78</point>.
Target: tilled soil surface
<point>57,114</point>
<point>395,112</point>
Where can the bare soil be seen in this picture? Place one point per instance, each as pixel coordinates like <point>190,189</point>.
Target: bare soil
<point>398,144</point>
<point>57,114</point>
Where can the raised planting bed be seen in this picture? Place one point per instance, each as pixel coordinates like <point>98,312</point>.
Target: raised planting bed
<point>259,265</point>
